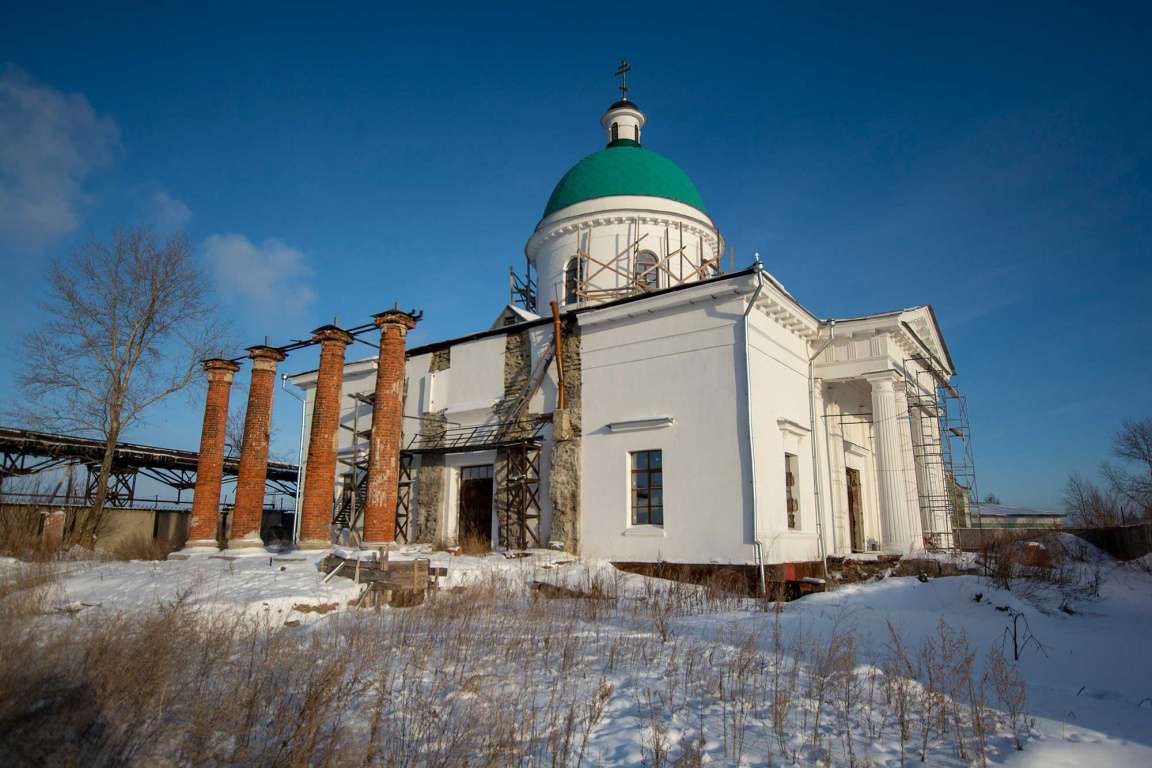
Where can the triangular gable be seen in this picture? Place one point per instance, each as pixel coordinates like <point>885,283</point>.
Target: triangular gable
<point>921,322</point>
<point>511,315</point>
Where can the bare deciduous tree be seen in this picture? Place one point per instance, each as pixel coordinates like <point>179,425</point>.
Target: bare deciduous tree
<point>1125,496</point>
<point>234,430</point>
<point>1133,446</point>
<point>126,322</point>
<point>1088,505</point>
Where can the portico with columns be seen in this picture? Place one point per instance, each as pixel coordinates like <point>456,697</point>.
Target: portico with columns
<point>866,375</point>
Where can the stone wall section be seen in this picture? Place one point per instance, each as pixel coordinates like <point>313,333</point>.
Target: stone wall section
<point>441,360</point>
<point>517,372</point>
<point>564,471</point>
<point>426,524</point>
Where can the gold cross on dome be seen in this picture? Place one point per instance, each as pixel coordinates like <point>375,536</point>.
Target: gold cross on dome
<point>621,72</point>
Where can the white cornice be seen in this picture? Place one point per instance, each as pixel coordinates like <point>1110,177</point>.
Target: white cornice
<point>621,209</point>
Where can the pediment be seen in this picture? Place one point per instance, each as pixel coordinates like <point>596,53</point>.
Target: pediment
<point>512,315</point>
<point>921,321</point>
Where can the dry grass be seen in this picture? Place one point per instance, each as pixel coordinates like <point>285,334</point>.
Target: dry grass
<point>487,675</point>
<point>141,547</point>
<point>472,543</point>
<point>20,532</point>
<point>1052,572</point>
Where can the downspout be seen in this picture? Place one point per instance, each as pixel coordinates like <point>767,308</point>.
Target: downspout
<point>559,357</point>
<point>299,456</point>
<point>758,267</point>
<point>816,447</point>
<point>828,464</point>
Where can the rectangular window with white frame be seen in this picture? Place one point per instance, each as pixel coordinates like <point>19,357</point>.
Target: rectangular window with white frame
<point>647,488</point>
<point>792,491</point>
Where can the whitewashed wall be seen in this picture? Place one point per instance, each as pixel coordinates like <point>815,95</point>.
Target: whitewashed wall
<point>679,363</point>
<point>781,422</point>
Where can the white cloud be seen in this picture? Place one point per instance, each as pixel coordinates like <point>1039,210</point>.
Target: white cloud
<point>271,277</point>
<point>159,207</point>
<point>49,142</point>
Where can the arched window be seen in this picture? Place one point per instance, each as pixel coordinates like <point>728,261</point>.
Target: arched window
<point>645,272</point>
<point>636,130</point>
<point>615,131</point>
<point>573,274</point>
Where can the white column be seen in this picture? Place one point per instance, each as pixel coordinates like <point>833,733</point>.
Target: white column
<point>894,512</point>
<point>907,465</point>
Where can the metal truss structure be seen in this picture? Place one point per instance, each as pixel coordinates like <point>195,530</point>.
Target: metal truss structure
<point>24,453</point>
<point>520,524</point>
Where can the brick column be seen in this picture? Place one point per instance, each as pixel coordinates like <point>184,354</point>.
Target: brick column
<point>246,517</point>
<point>210,465</point>
<point>320,470</point>
<point>387,428</point>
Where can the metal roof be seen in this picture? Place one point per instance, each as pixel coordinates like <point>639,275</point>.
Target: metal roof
<point>624,169</point>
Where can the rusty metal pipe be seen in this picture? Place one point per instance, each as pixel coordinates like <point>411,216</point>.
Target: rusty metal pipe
<point>559,357</point>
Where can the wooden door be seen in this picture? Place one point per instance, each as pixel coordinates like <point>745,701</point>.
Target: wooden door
<point>855,511</point>
<point>476,503</point>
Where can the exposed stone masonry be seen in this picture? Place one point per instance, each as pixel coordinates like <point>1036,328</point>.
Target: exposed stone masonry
<point>441,360</point>
<point>564,471</point>
<point>430,483</point>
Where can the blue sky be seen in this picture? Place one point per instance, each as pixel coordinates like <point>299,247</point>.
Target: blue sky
<point>332,159</point>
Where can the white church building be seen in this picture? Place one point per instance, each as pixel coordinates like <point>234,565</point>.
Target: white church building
<point>693,415</point>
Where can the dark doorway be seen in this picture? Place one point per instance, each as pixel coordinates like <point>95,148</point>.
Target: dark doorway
<point>476,505</point>
<point>855,511</point>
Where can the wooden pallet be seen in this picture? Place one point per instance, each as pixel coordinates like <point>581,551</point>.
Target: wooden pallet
<point>400,582</point>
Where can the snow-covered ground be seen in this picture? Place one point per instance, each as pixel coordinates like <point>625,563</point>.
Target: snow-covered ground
<point>1088,671</point>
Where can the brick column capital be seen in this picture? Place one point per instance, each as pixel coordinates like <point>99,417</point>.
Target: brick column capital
<point>265,358</point>
<point>219,370</point>
<point>405,321</point>
<point>330,334</point>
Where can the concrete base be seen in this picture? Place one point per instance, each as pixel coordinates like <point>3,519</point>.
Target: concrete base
<point>321,544</point>
<point>201,543</point>
<point>245,544</point>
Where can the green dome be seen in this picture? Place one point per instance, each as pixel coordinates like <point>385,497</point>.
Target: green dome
<point>624,168</point>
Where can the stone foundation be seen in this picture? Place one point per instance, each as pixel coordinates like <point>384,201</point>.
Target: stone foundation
<point>845,569</point>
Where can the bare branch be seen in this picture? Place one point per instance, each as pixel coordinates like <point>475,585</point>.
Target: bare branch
<point>126,323</point>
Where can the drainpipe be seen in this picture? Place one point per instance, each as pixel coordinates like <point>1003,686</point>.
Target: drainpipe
<point>828,463</point>
<point>559,357</point>
<point>299,456</point>
<point>756,541</point>
<point>815,444</point>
